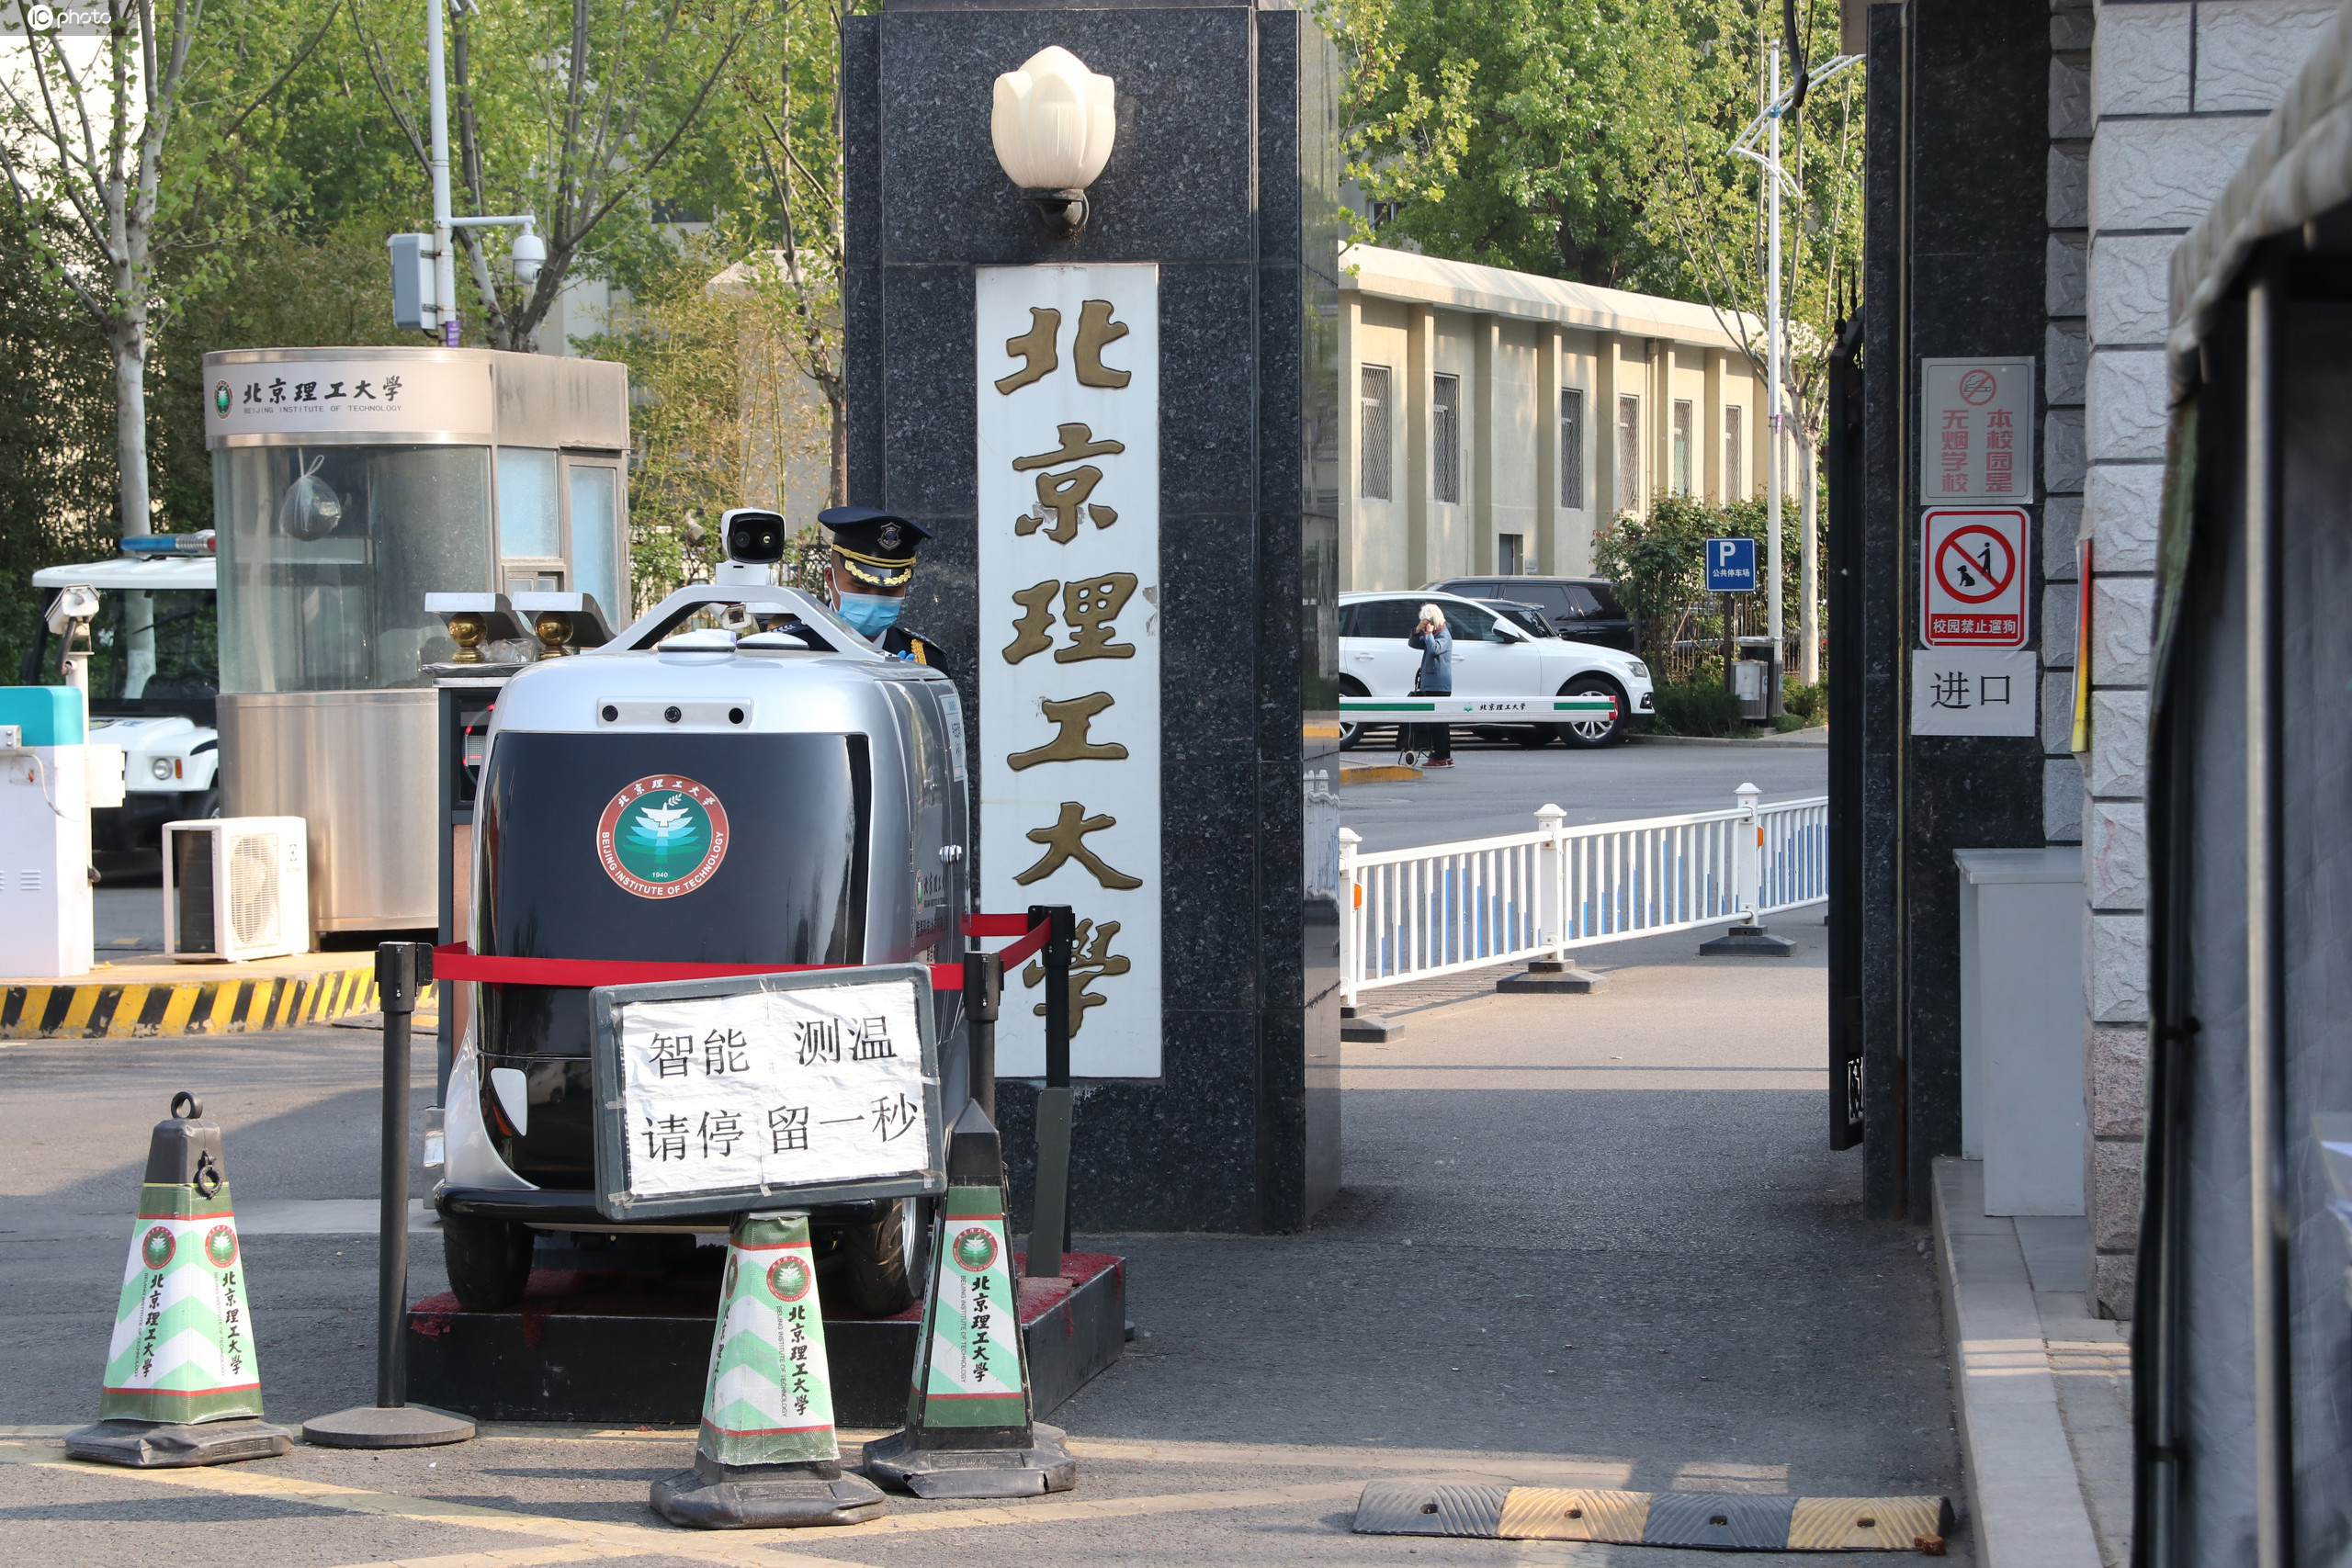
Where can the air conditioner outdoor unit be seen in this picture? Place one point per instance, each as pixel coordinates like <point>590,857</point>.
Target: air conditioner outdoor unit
<point>236,887</point>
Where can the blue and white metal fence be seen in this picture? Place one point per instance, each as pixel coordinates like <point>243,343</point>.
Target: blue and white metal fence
<point>1419,913</point>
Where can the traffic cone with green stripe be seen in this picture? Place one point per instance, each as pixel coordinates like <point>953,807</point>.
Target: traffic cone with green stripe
<point>768,1457</point>
<point>970,1427</point>
<point>182,1384</point>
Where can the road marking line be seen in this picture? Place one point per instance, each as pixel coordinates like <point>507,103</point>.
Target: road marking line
<point>639,1539</point>
<point>519,1557</point>
<point>1610,1474</point>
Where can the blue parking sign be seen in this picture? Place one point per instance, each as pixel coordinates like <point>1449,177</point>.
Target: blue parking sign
<point>1731,566</point>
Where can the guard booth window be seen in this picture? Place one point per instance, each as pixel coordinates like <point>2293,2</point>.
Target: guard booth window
<point>1445,434</point>
<point>1373,468</point>
<point>530,523</point>
<point>1629,454</point>
<point>1733,477</point>
<point>1572,449</point>
<point>1682,421</point>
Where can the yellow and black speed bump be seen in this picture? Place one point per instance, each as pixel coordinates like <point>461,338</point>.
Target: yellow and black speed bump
<point>1717,1521</point>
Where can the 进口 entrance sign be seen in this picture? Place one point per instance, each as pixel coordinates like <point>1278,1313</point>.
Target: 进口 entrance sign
<point>1975,430</point>
<point>1068,381</point>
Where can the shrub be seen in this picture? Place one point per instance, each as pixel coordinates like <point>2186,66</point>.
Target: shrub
<point>1697,706</point>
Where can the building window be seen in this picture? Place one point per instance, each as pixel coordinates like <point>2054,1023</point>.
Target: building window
<point>1629,454</point>
<point>1374,465</point>
<point>1511,554</point>
<point>1682,421</point>
<point>1445,432</point>
<point>1734,486</point>
<point>1572,449</point>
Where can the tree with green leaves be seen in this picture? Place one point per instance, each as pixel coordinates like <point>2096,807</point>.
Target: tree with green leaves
<point>577,131</point>
<point>84,137</point>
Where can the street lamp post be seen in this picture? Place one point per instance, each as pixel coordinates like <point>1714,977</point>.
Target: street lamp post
<point>530,251</point>
<point>1772,376</point>
<point>1767,125</point>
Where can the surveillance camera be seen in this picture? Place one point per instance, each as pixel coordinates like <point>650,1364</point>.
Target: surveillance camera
<point>530,255</point>
<point>753,537</point>
<point>77,602</point>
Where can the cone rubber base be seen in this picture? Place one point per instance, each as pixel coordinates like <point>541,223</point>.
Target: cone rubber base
<point>375,1427</point>
<point>713,1496</point>
<point>1046,1466</point>
<point>160,1445</point>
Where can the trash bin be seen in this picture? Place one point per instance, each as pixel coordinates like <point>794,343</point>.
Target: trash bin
<point>1755,676</point>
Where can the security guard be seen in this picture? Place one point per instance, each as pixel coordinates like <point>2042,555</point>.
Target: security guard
<point>874,560</point>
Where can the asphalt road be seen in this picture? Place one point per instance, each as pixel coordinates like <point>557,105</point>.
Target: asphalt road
<point>1584,1240</point>
<point>1497,787</point>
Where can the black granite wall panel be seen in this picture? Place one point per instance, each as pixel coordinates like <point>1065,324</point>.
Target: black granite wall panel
<point>1955,267</point>
<point>1224,175</point>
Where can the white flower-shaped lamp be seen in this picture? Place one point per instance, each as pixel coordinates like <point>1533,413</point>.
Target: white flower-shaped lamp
<point>1053,125</point>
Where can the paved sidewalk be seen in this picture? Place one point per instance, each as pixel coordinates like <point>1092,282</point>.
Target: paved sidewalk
<point>1591,1241</point>
<point>2044,1389</point>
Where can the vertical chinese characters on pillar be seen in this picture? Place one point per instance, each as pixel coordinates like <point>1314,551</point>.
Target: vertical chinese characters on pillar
<point>1067,386</point>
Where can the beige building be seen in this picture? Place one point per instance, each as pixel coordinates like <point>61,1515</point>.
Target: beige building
<point>1503,417</point>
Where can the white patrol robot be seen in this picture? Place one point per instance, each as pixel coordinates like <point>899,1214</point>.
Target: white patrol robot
<point>804,802</point>
<point>151,656</point>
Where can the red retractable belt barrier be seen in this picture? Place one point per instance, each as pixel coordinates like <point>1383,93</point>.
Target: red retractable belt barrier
<point>458,961</point>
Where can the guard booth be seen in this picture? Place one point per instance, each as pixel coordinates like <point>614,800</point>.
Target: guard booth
<point>2243,1332</point>
<point>347,484</point>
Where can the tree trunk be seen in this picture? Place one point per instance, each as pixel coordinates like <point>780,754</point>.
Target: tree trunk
<point>127,336</point>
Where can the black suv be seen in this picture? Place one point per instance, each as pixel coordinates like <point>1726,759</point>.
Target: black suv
<point>1582,609</point>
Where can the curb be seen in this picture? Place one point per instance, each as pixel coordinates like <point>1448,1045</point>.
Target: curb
<point>124,1009</point>
<point>2025,1494</point>
<point>1788,740</point>
<point>1375,772</point>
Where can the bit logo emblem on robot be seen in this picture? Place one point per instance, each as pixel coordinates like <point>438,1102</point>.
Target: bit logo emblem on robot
<point>661,836</point>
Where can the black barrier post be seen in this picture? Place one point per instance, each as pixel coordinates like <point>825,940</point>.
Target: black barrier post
<point>403,970</point>
<point>1049,1220</point>
<point>983,993</point>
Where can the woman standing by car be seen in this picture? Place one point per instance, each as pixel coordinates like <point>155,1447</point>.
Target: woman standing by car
<point>1435,680</point>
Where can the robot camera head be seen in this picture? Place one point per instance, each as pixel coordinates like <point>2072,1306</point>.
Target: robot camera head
<point>755,537</point>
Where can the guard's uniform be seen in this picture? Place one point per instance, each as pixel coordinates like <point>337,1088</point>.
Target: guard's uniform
<point>901,643</point>
<point>878,548</point>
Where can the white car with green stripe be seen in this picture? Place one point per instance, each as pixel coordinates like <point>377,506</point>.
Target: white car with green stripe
<point>1505,680</point>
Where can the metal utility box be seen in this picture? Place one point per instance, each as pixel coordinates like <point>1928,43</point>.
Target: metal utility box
<point>46,917</point>
<point>348,483</point>
<point>2021,1025</point>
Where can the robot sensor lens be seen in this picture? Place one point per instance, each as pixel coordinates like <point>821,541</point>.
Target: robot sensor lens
<point>672,714</point>
<point>611,713</point>
<point>734,716</point>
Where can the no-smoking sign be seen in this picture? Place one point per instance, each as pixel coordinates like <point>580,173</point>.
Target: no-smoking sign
<point>1975,573</point>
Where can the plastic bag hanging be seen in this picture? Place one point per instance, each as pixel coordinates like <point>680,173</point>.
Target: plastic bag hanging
<point>310,509</point>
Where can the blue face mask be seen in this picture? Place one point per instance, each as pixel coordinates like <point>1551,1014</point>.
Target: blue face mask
<point>870,614</point>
